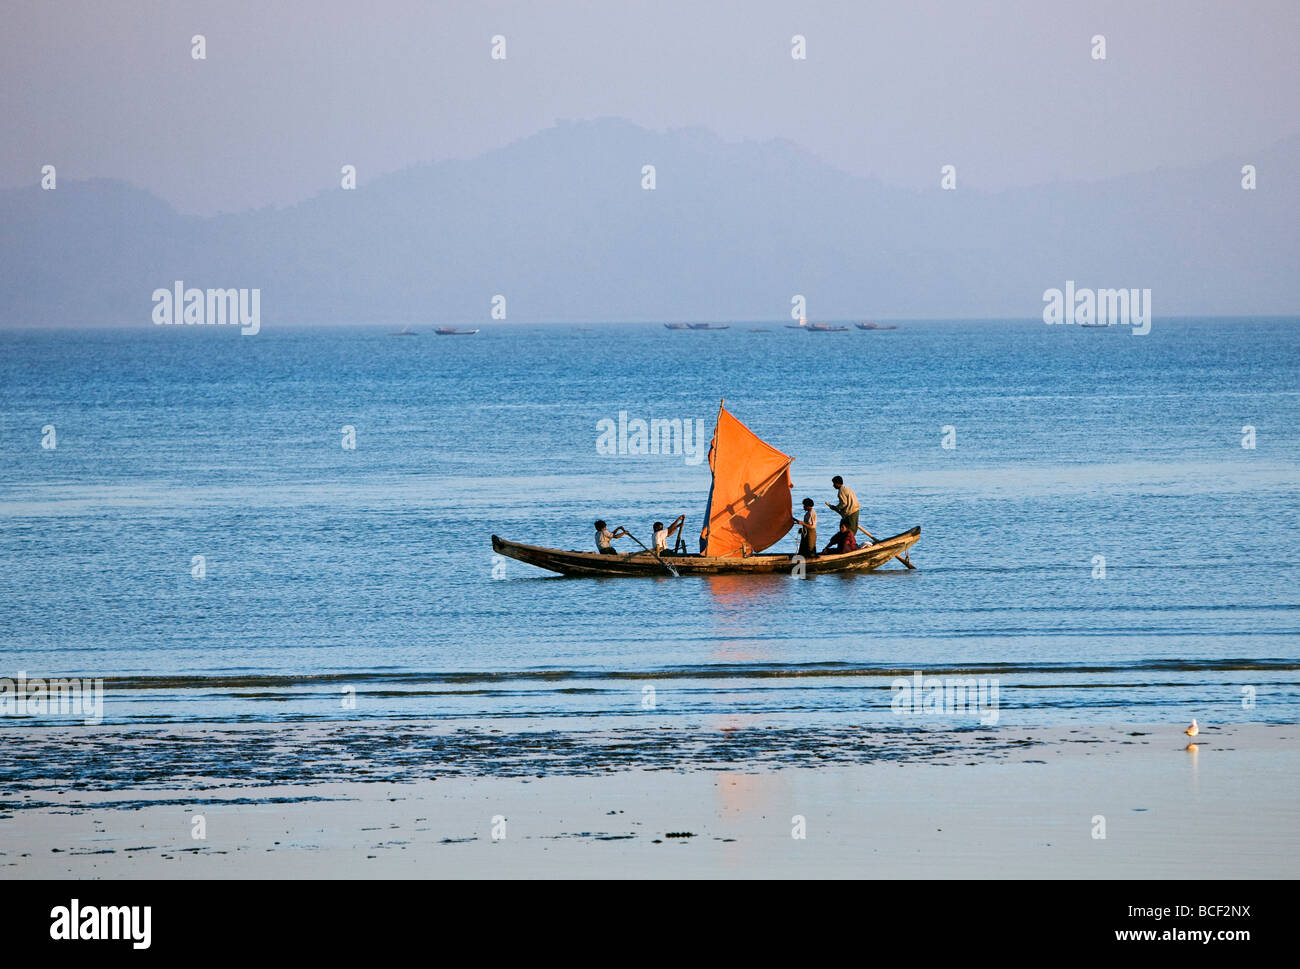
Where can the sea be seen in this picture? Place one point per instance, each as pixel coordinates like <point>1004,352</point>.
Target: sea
<point>296,525</point>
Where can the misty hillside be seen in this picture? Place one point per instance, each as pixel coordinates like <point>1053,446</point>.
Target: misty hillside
<point>560,225</point>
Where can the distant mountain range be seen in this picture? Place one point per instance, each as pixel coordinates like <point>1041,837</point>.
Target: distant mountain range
<point>559,224</point>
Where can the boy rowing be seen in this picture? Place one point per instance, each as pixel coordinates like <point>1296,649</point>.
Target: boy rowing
<point>663,534</point>
<point>605,538</point>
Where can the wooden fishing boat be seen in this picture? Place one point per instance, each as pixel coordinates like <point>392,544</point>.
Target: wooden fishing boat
<point>709,326</point>
<point>874,326</point>
<point>748,511</point>
<point>676,326</point>
<point>863,559</point>
<point>807,327</point>
<point>452,331</point>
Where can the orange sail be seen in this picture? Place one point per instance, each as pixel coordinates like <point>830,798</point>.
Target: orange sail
<point>749,503</point>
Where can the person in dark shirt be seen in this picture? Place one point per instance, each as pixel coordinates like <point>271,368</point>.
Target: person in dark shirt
<point>842,542</point>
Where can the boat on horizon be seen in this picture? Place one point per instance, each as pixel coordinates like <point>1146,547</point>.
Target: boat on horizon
<point>676,326</point>
<point>749,510</point>
<point>452,331</point>
<point>405,331</point>
<point>874,326</point>
<point>807,327</point>
<point>709,326</point>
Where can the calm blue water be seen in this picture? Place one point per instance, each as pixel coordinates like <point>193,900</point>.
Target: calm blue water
<point>371,569</point>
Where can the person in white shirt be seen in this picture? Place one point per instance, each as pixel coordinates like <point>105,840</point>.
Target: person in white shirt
<point>663,534</point>
<point>604,537</point>
<point>807,529</point>
<point>847,505</point>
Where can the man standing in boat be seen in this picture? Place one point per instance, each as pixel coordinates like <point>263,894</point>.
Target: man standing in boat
<point>847,505</point>
<point>807,530</point>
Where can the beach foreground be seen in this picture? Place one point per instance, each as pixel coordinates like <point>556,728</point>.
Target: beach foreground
<point>989,803</point>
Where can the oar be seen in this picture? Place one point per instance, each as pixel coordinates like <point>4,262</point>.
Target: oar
<point>675,573</point>
<point>902,558</point>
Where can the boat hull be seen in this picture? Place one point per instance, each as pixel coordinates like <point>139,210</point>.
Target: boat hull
<point>573,563</point>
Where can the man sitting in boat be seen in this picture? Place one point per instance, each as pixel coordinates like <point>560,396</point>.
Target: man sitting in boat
<point>847,504</point>
<point>842,542</point>
<point>807,529</point>
<point>604,538</point>
<point>663,534</point>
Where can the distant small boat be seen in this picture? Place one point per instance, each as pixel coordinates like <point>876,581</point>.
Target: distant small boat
<point>874,326</point>
<point>1095,326</point>
<point>405,331</point>
<point>676,326</point>
<point>803,324</point>
<point>709,326</point>
<point>452,331</point>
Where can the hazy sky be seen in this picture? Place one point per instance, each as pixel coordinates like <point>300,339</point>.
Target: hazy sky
<point>289,92</point>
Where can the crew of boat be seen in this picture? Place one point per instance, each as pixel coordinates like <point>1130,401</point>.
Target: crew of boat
<point>748,511</point>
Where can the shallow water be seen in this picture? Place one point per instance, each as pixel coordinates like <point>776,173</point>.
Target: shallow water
<point>370,570</point>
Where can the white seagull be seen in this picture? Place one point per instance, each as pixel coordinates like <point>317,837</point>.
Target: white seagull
<point>1193,730</point>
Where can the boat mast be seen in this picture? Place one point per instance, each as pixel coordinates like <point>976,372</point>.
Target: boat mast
<point>708,505</point>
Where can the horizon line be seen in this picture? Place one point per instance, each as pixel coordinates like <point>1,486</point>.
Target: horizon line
<point>500,324</point>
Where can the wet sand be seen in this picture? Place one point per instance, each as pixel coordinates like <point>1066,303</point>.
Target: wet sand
<point>402,801</point>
